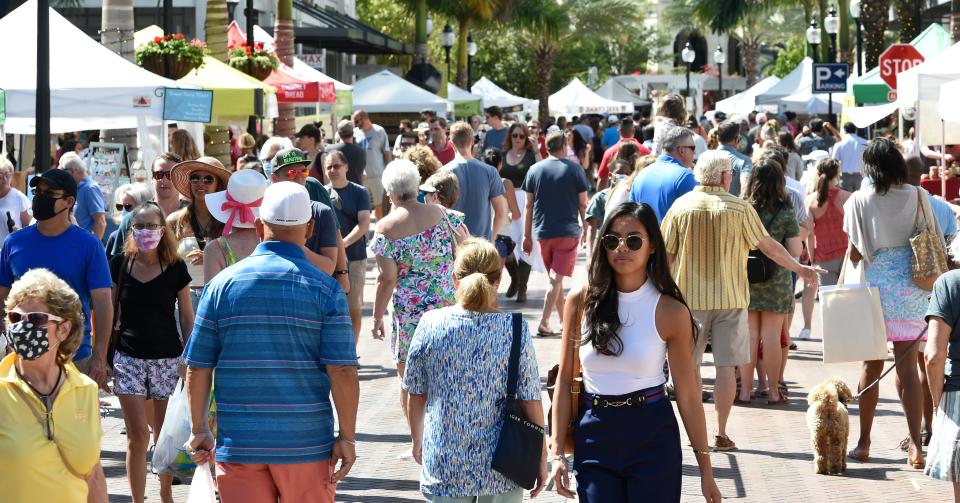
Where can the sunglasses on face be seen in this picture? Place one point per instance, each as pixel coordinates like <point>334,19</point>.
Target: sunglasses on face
<point>206,179</point>
<point>122,207</point>
<point>292,173</point>
<point>518,136</point>
<point>34,318</point>
<point>691,147</point>
<point>141,226</point>
<point>160,175</point>
<point>612,241</point>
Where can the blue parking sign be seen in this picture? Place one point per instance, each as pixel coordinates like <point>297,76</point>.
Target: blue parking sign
<point>830,77</point>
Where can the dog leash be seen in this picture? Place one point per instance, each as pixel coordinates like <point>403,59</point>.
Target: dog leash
<point>895,362</point>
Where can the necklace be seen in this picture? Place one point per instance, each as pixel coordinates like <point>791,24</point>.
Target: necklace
<point>44,397</point>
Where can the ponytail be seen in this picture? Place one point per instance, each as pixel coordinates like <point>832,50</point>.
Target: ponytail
<point>477,270</point>
<point>827,170</point>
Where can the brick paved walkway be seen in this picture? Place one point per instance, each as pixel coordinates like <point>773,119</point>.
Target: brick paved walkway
<point>773,463</point>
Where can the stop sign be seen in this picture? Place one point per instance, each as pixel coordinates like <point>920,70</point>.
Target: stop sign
<point>898,58</point>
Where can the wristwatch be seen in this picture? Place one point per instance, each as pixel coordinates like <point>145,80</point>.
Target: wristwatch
<point>339,272</point>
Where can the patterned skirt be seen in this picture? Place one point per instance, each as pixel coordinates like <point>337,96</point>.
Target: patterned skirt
<point>943,456</point>
<point>904,304</point>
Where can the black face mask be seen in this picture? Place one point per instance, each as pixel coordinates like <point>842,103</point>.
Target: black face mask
<point>43,207</point>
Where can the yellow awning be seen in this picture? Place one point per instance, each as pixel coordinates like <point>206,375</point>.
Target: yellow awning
<point>233,90</point>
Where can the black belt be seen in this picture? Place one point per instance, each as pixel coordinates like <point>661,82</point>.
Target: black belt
<point>648,395</point>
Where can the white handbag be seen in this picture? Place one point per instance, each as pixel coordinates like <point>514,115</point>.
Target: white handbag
<point>851,320</point>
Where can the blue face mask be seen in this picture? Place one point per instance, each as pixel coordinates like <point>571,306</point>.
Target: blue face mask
<point>267,169</point>
<point>618,178</point>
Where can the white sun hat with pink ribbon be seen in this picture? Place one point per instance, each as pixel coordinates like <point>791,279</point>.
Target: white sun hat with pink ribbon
<point>239,205</point>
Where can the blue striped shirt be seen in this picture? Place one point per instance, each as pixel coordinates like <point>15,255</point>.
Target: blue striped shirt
<point>269,325</point>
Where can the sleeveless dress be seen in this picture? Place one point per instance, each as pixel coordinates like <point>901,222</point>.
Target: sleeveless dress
<point>517,173</point>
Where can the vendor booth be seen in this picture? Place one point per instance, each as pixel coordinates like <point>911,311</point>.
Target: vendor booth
<point>577,99</point>
<point>386,92</point>
<point>465,103</point>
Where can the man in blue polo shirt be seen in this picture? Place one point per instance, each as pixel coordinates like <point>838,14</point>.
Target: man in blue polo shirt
<point>661,183</point>
<point>277,331</point>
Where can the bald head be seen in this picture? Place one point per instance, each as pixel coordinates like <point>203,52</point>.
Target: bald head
<point>915,169</point>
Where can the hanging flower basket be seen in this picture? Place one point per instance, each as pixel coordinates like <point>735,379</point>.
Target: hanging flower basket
<point>255,62</point>
<point>171,56</point>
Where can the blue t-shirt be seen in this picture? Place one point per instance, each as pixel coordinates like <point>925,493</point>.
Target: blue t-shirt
<point>661,183</point>
<point>324,227</point>
<point>269,325</point>
<point>348,202</point>
<point>494,138</point>
<point>89,203</point>
<point>479,183</point>
<point>610,137</point>
<point>556,185</point>
<point>75,256</point>
<point>945,304</point>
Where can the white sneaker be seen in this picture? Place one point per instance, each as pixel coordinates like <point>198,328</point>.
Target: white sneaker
<point>804,334</point>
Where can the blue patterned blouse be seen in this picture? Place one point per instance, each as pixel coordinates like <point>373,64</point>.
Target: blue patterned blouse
<point>459,359</point>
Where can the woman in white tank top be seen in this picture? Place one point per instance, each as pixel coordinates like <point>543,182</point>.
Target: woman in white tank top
<point>626,324</point>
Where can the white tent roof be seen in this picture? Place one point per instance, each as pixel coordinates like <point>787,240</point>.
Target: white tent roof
<point>801,77</point>
<point>317,76</point>
<point>920,87</point>
<point>745,102</point>
<point>494,95</point>
<point>614,90</point>
<point>387,92</point>
<point>805,102</point>
<point>455,93</point>
<point>99,90</point>
<point>577,99</point>
<point>950,101</point>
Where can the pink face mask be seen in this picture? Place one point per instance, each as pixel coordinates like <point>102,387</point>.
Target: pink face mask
<point>147,239</point>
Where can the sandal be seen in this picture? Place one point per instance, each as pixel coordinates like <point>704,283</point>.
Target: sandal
<point>782,388</point>
<point>904,444</point>
<point>854,455</point>
<point>738,401</point>
<point>782,401</point>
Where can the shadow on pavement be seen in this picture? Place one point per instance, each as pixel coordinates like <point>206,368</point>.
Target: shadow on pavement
<point>365,484</point>
<point>389,439</point>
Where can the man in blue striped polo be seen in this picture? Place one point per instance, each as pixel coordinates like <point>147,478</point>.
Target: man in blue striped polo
<point>278,332</point>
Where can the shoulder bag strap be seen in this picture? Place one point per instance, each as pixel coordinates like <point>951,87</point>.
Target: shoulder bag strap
<point>513,370</point>
<point>39,416</point>
<point>121,280</point>
<point>920,213</point>
<point>575,379</point>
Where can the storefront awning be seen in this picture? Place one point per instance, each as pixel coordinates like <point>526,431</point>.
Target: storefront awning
<point>342,33</point>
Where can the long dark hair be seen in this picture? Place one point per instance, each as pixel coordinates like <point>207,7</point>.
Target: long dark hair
<point>579,144</point>
<point>884,163</point>
<point>766,189</point>
<point>827,170</point>
<point>600,308</point>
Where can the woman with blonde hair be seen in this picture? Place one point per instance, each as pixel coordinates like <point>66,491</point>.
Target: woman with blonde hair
<point>454,421</point>
<point>422,157</point>
<point>182,144</point>
<point>50,433</point>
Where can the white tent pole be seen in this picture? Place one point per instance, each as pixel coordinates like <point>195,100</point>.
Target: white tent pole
<point>943,160</point>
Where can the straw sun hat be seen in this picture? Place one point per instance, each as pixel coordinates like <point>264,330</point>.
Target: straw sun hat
<point>180,175</point>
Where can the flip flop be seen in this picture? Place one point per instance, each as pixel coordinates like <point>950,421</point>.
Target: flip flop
<point>547,333</point>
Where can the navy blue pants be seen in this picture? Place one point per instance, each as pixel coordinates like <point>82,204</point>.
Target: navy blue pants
<point>628,454</point>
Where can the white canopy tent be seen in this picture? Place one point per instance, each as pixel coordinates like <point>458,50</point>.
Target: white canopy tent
<point>577,99</point>
<point>99,90</point>
<point>494,95</point>
<point>864,117</point>
<point>614,90</point>
<point>950,102</point>
<point>920,87</point>
<point>806,102</point>
<point>455,93</point>
<point>746,102</point>
<point>797,80</point>
<point>388,92</point>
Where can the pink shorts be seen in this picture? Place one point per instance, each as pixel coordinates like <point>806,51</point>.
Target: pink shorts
<point>289,483</point>
<point>559,254</point>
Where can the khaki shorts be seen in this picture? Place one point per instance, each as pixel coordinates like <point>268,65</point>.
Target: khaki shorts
<point>729,336</point>
<point>374,186</point>
<point>357,277</point>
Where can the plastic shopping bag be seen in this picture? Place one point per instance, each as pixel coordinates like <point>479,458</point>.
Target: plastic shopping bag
<point>169,455</point>
<point>201,489</point>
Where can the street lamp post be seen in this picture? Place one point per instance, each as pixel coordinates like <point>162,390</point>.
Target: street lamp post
<point>250,14</point>
<point>471,52</point>
<point>688,55</point>
<point>855,14</point>
<point>813,38</point>
<point>42,103</point>
<point>831,23</point>
<point>719,58</point>
<point>446,41</point>
<point>231,10</point>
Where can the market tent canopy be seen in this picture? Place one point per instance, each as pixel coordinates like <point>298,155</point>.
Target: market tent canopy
<point>494,95</point>
<point>870,88</point>
<point>746,102</point>
<point>798,79</point>
<point>465,103</point>
<point>919,87</point>
<point>614,90</point>
<point>99,90</point>
<point>805,102</point>
<point>387,92</point>
<point>577,99</point>
<point>866,116</point>
<point>295,88</point>
<point>950,101</point>
<point>234,92</point>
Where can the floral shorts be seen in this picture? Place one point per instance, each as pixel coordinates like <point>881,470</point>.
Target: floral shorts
<point>153,379</point>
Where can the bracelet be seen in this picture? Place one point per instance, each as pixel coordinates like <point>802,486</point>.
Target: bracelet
<point>701,451</point>
<point>351,442</point>
<point>340,272</point>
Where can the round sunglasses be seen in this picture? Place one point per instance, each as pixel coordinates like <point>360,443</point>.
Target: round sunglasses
<point>612,241</point>
<point>206,180</point>
<point>122,207</point>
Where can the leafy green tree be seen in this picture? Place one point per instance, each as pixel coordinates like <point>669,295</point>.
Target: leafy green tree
<point>788,57</point>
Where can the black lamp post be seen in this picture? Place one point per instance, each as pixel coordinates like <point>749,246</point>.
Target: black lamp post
<point>855,14</point>
<point>471,52</point>
<point>688,55</point>
<point>42,152</point>
<point>446,41</point>
<point>831,23</point>
<point>232,10</point>
<point>813,38</point>
<point>251,16</point>
<point>719,58</point>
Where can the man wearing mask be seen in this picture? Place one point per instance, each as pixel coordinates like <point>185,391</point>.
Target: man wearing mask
<point>73,254</point>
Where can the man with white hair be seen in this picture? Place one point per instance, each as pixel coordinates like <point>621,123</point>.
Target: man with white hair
<point>89,210</point>
<point>713,279</point>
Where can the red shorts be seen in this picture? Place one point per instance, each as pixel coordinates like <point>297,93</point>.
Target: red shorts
<point>288,483</point>
<point>559,254</point>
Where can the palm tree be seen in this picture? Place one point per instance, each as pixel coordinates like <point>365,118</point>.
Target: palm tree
<point>284,42</point>
<point>873,15</point>
<point>470,13</point>
<point>215,28</point>
<point>955,20</point>
<point>116,34</point>
<point>909,27</point>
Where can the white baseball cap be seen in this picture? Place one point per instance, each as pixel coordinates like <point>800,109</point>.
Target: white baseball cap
<point>816,155</point>
<point>286,203</point>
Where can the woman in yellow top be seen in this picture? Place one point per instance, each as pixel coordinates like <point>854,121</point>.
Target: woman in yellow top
<point>49,412</point>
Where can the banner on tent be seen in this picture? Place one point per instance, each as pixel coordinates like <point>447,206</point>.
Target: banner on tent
<point>189,105</point>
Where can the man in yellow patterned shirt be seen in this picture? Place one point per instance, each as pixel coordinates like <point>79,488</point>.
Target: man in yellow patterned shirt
<point>708,234</point>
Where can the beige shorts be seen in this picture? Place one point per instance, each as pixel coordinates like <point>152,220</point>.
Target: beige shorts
<point>375,188</point>
<point>357,277</point>
<point>729,336</point>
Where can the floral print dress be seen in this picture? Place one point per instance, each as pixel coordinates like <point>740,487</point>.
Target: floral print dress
<point>424,277</point>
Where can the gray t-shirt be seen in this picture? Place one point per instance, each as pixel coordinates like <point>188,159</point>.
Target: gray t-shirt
<point>945,304</point>
<point>374,143</point>
<point>556,185</point>
<point>479,183</point>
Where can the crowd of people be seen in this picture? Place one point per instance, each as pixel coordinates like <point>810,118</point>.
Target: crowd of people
<point>246,282</point>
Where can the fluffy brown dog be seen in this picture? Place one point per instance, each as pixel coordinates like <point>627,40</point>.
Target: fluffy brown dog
<point>829,425</point>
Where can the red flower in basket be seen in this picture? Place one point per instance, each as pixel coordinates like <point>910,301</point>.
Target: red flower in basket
<point>248,51</point>
<point>178,36</point>
<point>157,40</point>
<point>258,46</point>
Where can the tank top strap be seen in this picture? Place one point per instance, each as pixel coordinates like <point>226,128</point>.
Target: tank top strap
<point>227,251</point>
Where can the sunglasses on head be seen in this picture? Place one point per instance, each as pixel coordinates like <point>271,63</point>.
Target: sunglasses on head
<point>160,175</point>
<point>206,179</point>
<point>294,172</point>
<point>34,318</point>
<point>122,207</point>
<point>612,241</point>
